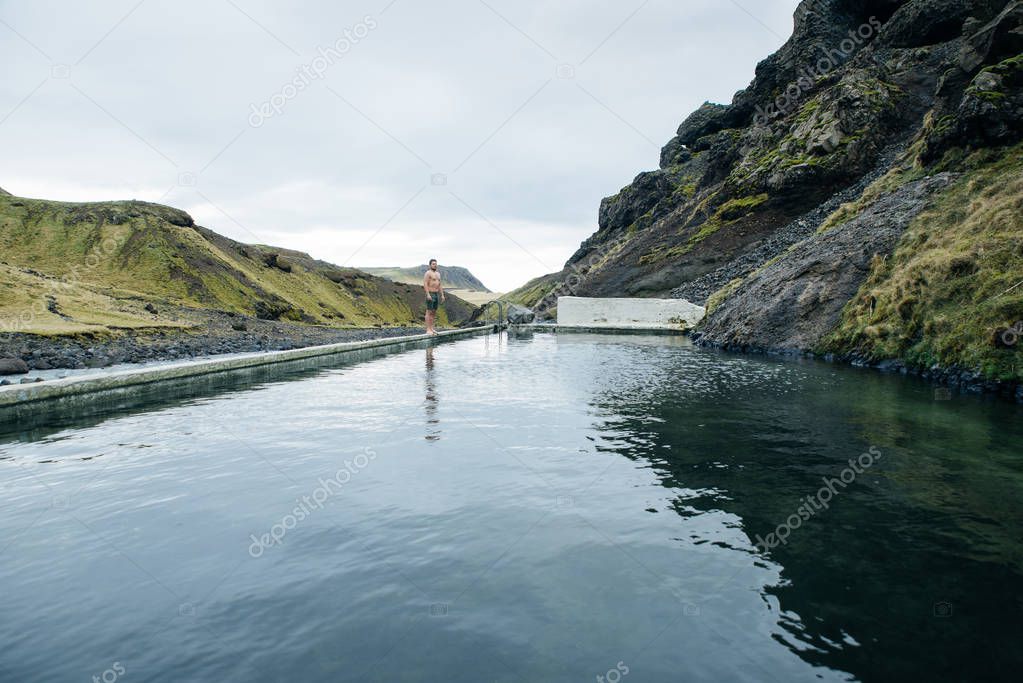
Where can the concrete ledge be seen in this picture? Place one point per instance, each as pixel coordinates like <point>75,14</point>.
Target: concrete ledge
<point>627,314</point>
<point>581,329</point>
<point>20,394</point>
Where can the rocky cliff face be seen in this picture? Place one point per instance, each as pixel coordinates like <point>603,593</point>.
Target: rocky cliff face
<point>794,301</point>
<point>782,206</point>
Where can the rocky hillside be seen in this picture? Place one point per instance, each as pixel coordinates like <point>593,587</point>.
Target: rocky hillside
<point>455,277</point>
<point>861,197</point>
<point>68,268</point>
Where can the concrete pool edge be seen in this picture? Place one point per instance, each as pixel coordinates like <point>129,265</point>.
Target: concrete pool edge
<point>20,394</point>
<point>597,329</point>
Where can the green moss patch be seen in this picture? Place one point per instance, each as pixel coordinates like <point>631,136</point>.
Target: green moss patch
<point>737,208</point>
<point>727,214</point>
<point>718,297</point>
<point>953,287</point>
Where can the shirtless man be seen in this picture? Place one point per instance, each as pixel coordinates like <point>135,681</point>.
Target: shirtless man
<point>434,295</point>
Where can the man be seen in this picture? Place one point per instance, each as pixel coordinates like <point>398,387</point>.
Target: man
<point>434,295</point>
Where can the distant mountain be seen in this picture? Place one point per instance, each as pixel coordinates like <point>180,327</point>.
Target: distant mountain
<point>454,276</point>
<point>69,268</point>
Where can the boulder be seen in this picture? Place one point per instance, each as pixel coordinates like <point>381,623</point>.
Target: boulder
<point>675,153</point>
<point>277,261</point>
<point>708,119</point>
<point>999,39</point>
<point>520,315</point>
<point>13,366</point>
<point>990,112</point>
<point>826,141</point>
<point>176,217</point>
<point>271,310</point>
<point>931,22</point>
<point>646,190</point>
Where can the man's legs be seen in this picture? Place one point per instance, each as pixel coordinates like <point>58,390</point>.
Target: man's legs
<point>429,320</point>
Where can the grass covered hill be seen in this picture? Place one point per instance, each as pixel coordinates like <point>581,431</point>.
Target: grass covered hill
<point>68,268</point>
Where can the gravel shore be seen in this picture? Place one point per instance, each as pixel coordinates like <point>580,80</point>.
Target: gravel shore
<point>218,333</point>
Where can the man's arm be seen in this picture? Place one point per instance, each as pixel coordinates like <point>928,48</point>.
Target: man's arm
<point>426,279</point>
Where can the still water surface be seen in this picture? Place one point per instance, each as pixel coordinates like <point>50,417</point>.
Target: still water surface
<point>535,508</point>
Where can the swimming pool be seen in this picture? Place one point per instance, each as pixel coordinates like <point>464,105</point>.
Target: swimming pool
<point>548,507</point>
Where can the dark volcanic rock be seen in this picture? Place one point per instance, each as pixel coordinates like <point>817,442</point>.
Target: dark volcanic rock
<point>791,304</point>
<point>989,113</point>
<point>708,119</point>
<point>267,310</point>
<point>699,289</point>
<point>277,261</point>
<point>177,217</point>
<point>930,22</point>
<point>520,315</point>
<point>1000,38</point>
<point>864,96</point>
<point>675,153</point>
<point>13,366</point>
<point>632,202</point>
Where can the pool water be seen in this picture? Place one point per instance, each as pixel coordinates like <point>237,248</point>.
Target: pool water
<point>539,507</point>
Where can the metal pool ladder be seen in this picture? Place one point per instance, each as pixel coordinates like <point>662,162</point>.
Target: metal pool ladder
<point>502,320</point>
<point>498,325</point>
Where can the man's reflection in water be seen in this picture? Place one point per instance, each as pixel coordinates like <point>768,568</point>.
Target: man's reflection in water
<point>432,423</point>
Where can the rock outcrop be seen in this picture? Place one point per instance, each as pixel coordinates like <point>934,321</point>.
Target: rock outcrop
<point>794,301</point>
<point>520,315</point>
<point>773,207</point>
<point>13,366</point>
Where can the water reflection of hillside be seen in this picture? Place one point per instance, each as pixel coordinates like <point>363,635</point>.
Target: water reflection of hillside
<point>934,522</point>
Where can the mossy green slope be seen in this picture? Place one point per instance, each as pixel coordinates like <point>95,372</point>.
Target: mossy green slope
<point>952,293</point>
<point>99,263</point>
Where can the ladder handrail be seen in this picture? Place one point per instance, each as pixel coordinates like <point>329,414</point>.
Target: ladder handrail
<point>500,311</point>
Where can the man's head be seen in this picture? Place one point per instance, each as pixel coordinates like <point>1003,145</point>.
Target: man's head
<point>433,264</point>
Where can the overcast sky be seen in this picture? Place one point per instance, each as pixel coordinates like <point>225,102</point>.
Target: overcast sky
<point>482,133</point>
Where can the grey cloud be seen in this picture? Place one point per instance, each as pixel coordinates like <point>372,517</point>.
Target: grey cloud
<point>434,87</point>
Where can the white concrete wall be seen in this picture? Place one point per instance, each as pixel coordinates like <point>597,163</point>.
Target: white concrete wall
<point>575,311</point>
